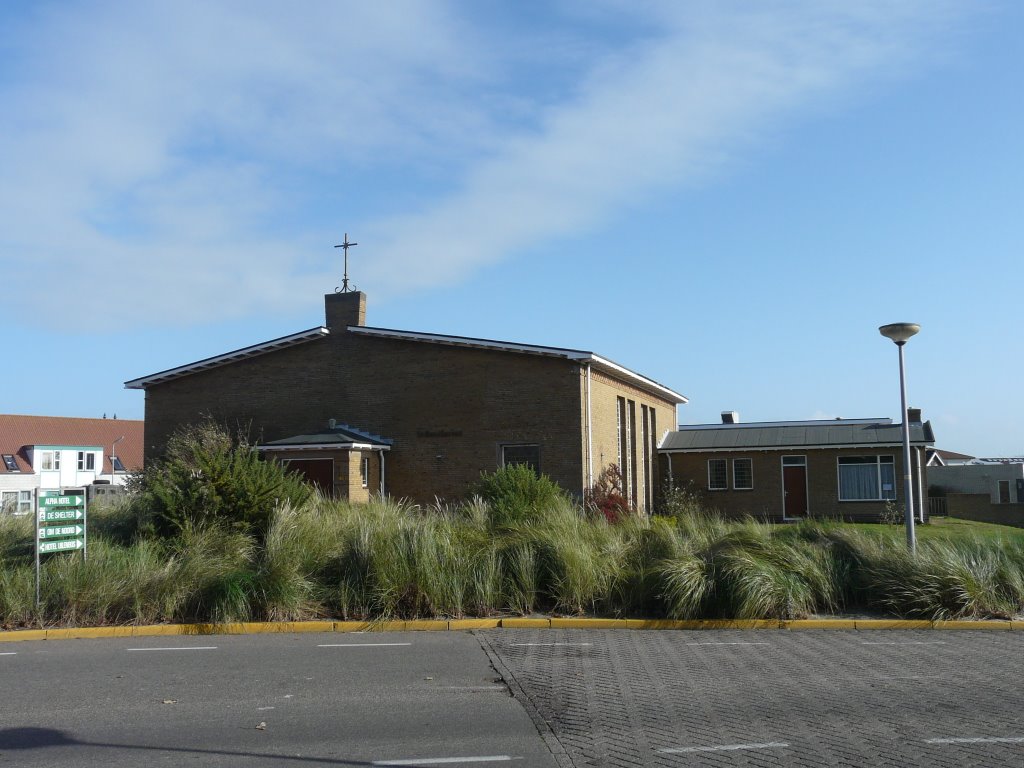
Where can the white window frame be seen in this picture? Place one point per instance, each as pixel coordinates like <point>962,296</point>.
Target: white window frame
<point>364,471</point>
<point>86,461</point>
<point>725,474</point>
<point>51,458</point>
<point>878,470</point>
<point>735,482</point>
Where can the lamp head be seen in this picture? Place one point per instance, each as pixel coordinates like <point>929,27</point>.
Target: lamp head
<point>899,332</point>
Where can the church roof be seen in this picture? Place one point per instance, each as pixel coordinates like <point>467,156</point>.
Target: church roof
<point>580,356</point>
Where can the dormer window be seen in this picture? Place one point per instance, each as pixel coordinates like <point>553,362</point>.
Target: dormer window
<point>115,462</point>
<point>10,463</point>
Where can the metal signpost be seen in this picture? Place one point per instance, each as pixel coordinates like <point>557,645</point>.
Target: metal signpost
<point>60,524</point>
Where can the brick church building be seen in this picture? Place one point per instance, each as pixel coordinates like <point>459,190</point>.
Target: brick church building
<point>364,410</point>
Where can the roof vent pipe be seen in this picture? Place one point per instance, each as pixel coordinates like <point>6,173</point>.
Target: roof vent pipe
<point>730,417</point>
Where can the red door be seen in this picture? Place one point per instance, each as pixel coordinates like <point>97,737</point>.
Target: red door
<point>319,472</point>
<point>794,488</point>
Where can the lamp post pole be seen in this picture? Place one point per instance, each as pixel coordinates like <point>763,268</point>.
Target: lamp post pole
<point>900,333</point>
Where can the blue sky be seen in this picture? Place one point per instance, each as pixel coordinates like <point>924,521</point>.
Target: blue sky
<point>729,197</point>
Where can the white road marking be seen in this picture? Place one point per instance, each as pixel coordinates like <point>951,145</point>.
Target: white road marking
<point>549,644</point>
<point>909,642</point>
<point>359,645</point>
<point>724,747</point>
<point>979,740</point>
<point>9,653</point>
<point>474,688</point>
<point>738,643</point>
<point>179,648</point>
<point>263,709</point>
<point>447,760</point>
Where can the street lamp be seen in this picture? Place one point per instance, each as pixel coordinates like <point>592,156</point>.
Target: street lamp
<point>900,333</point>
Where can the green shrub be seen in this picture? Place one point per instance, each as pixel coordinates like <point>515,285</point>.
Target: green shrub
<point>516,494</point>
<point>208,478</point>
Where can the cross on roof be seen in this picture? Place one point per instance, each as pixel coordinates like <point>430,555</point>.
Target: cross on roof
<point>345,245</point>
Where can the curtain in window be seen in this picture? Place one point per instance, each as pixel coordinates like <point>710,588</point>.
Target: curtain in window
<point>859,481</point>
<point>888,481</point>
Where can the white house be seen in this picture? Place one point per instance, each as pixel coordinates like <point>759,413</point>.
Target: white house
<point>52,452</point>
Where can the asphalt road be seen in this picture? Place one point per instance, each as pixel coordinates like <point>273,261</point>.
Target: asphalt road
<point>579,698</point>
<point>275,700</point>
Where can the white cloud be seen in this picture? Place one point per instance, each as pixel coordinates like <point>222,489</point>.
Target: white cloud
<point>165,154</point>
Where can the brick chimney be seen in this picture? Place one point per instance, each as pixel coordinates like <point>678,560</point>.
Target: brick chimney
<point>345,309</point>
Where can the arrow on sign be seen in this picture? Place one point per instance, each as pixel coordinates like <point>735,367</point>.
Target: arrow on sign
<point>46,515</point>
<point>60,546</point>
<point>55,531</point>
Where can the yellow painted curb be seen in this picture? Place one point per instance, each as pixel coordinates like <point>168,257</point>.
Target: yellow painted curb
<point>893,624</point>
<point>820,624</point>
<point>77,633</point>
<point>740,624</point>
<point>16,635</point>
<point>587,623</point>
<point>656,624</point>
<point>163,630</point>
<point>427,625</point>
<point>1017,625</point>
<point>1004,625</point>
<point>526,623</point>
<point>353,626</point>
<point>459,624</point>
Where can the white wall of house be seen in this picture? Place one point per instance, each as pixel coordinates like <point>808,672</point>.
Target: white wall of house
<point>55,467</point>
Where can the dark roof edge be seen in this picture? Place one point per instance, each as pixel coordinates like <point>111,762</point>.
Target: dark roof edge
<point>228,357</point>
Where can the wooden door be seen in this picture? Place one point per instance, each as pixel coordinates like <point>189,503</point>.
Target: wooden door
<point>794,490</point>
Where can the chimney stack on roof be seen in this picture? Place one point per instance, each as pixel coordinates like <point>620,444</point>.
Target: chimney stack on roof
<point>730,417</point>
<point>913,415</point>
<point>345,309</point>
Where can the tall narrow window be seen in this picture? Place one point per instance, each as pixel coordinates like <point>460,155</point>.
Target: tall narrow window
<point>364,472</point>
<point>718,474</point>
<point>742,474</point>
<point>620,434</point>
<point>1004,491</point>
<point>645,454</point>
<point>632,482</point>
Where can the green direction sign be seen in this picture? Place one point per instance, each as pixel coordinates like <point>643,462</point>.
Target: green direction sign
<point>48,501</point>
<point>62,545</point>
<point>60,531</point>
<point>54,515</point>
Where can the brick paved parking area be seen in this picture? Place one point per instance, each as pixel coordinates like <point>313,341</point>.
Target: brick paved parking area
<point>770,697</point>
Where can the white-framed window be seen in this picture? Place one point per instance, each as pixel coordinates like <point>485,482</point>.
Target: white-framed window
<point>718,474</point>
<point>527,453</point>
<point>50,460</point>
<point>86,461</point>
<point>743,474</point>
<point>867,478</point>
<point>15,502</point>
<point>364,471</point>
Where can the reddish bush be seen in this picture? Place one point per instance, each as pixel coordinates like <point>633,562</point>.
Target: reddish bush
<point>607,497</point>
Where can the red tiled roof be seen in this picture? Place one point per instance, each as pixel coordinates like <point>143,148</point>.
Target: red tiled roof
<point>19,432</point>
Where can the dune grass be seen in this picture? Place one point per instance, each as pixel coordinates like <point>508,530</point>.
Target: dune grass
<point>390,559</point>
